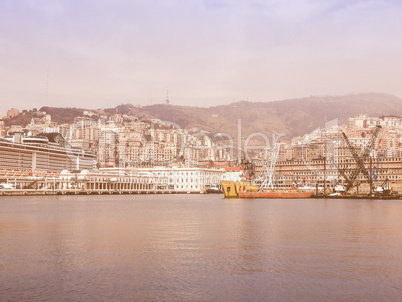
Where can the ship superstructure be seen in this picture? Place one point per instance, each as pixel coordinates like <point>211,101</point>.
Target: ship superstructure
<point>41,154</point>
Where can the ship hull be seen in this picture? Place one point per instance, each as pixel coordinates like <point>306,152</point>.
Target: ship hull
<point>275,194</point>
<point>231,189</point>
<point>242,189</point>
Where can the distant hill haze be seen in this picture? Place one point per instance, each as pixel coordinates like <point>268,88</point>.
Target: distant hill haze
<point>293,117</point>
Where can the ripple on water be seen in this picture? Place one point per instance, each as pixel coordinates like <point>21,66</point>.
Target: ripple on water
<point>198,248</point>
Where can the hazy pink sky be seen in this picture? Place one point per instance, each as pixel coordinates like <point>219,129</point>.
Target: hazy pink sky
<point>103,53</point>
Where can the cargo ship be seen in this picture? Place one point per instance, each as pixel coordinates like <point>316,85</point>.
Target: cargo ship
<point>236,185</point>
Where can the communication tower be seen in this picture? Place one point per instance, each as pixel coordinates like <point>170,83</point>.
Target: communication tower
<point>167,97</point>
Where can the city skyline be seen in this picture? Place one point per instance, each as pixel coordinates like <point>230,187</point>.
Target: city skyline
<point>120,141</point>
<point>103,53</point>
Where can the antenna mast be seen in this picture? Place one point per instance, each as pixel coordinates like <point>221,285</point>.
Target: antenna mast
<point>167,96</point>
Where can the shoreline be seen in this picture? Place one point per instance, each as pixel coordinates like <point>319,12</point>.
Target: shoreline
<point>16,192</point>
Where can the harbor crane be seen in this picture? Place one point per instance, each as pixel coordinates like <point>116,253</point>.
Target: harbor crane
<point>375,173</point>
<point>269,168</point>
<point>360,168</point>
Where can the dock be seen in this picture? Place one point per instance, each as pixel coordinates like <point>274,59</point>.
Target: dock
<point>362,196</point>
<point>33,192</point>
<point>91,183</point>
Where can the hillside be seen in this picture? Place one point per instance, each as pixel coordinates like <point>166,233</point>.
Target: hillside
<point>293,117</point>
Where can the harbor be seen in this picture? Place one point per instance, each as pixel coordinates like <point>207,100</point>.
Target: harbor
<point>339,177</point>
<point>192,247</point>
<point>47,164</point>
<point>207,150</point>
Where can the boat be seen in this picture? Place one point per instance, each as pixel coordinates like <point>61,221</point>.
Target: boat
<point>339,188</point>
<point>214,189</point>
<point>236,184</point>
<point>306,186</point>
<point>383,189</point>
<point>234,181</point>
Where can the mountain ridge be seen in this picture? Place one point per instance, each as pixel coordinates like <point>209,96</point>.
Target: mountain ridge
<point>294,117</point>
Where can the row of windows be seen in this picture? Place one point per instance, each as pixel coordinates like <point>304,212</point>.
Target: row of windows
<point>42,150</point>
<point>54,164</point>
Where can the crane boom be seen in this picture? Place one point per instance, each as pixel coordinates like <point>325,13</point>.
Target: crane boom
<point>360,159</point>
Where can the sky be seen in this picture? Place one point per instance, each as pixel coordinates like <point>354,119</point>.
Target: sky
<point>101,53</point>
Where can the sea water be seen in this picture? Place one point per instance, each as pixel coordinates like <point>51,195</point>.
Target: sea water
<point>199,248</point>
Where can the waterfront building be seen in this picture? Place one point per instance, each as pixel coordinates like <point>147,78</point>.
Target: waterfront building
<point>107,181</point>
<point>179,180</point>
<point>288,173</point>
<point>187,179</point>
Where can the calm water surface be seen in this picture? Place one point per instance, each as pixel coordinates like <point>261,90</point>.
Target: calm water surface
<point>199,248</point>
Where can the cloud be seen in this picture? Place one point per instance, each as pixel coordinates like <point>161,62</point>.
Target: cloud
<point>106,52</point>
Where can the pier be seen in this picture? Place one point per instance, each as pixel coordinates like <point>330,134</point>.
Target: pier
<point>359,196</point>
<point>33,192</point>
<point>108,182</point>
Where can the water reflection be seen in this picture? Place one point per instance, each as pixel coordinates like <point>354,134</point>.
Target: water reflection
<point>198,247</point>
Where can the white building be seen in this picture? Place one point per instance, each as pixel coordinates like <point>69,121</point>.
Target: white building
<point>179,180</point>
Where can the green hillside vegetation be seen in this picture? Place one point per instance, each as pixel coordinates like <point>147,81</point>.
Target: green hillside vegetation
<point>63,115</point>
<point>293,117</point>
